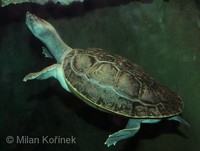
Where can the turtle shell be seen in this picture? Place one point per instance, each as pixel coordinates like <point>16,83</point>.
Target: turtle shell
<point>114,84</point>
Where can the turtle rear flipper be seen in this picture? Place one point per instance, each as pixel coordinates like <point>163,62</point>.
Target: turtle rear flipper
<point>131,129</point>
<point>180,120</point>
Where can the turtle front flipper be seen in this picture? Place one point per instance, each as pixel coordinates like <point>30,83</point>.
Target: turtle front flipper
<point>131,129</point>
<point>43,74</point>
<point>46,53</point>
<point>54,70</point>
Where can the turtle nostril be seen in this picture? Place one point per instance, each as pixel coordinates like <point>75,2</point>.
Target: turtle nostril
<point>28,14</point>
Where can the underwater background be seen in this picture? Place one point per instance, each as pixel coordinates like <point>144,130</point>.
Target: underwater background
<point>163,36</point>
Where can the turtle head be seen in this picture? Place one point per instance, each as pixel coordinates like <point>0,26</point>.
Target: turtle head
<point>39,27</point>
<point>48,35</point>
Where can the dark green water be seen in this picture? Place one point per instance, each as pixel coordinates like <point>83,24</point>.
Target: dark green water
<point>164,38</point>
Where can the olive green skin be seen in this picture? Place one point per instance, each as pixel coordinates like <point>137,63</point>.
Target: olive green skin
<point>114,84</point>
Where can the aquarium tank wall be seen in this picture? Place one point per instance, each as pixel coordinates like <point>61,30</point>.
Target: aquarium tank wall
<point>162,36</point>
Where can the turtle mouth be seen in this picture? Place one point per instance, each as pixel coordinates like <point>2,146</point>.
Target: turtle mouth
<point>34,23</point>
<point>30,18</point>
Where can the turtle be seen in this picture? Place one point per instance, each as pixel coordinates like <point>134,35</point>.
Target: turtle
<point>106,81</point>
